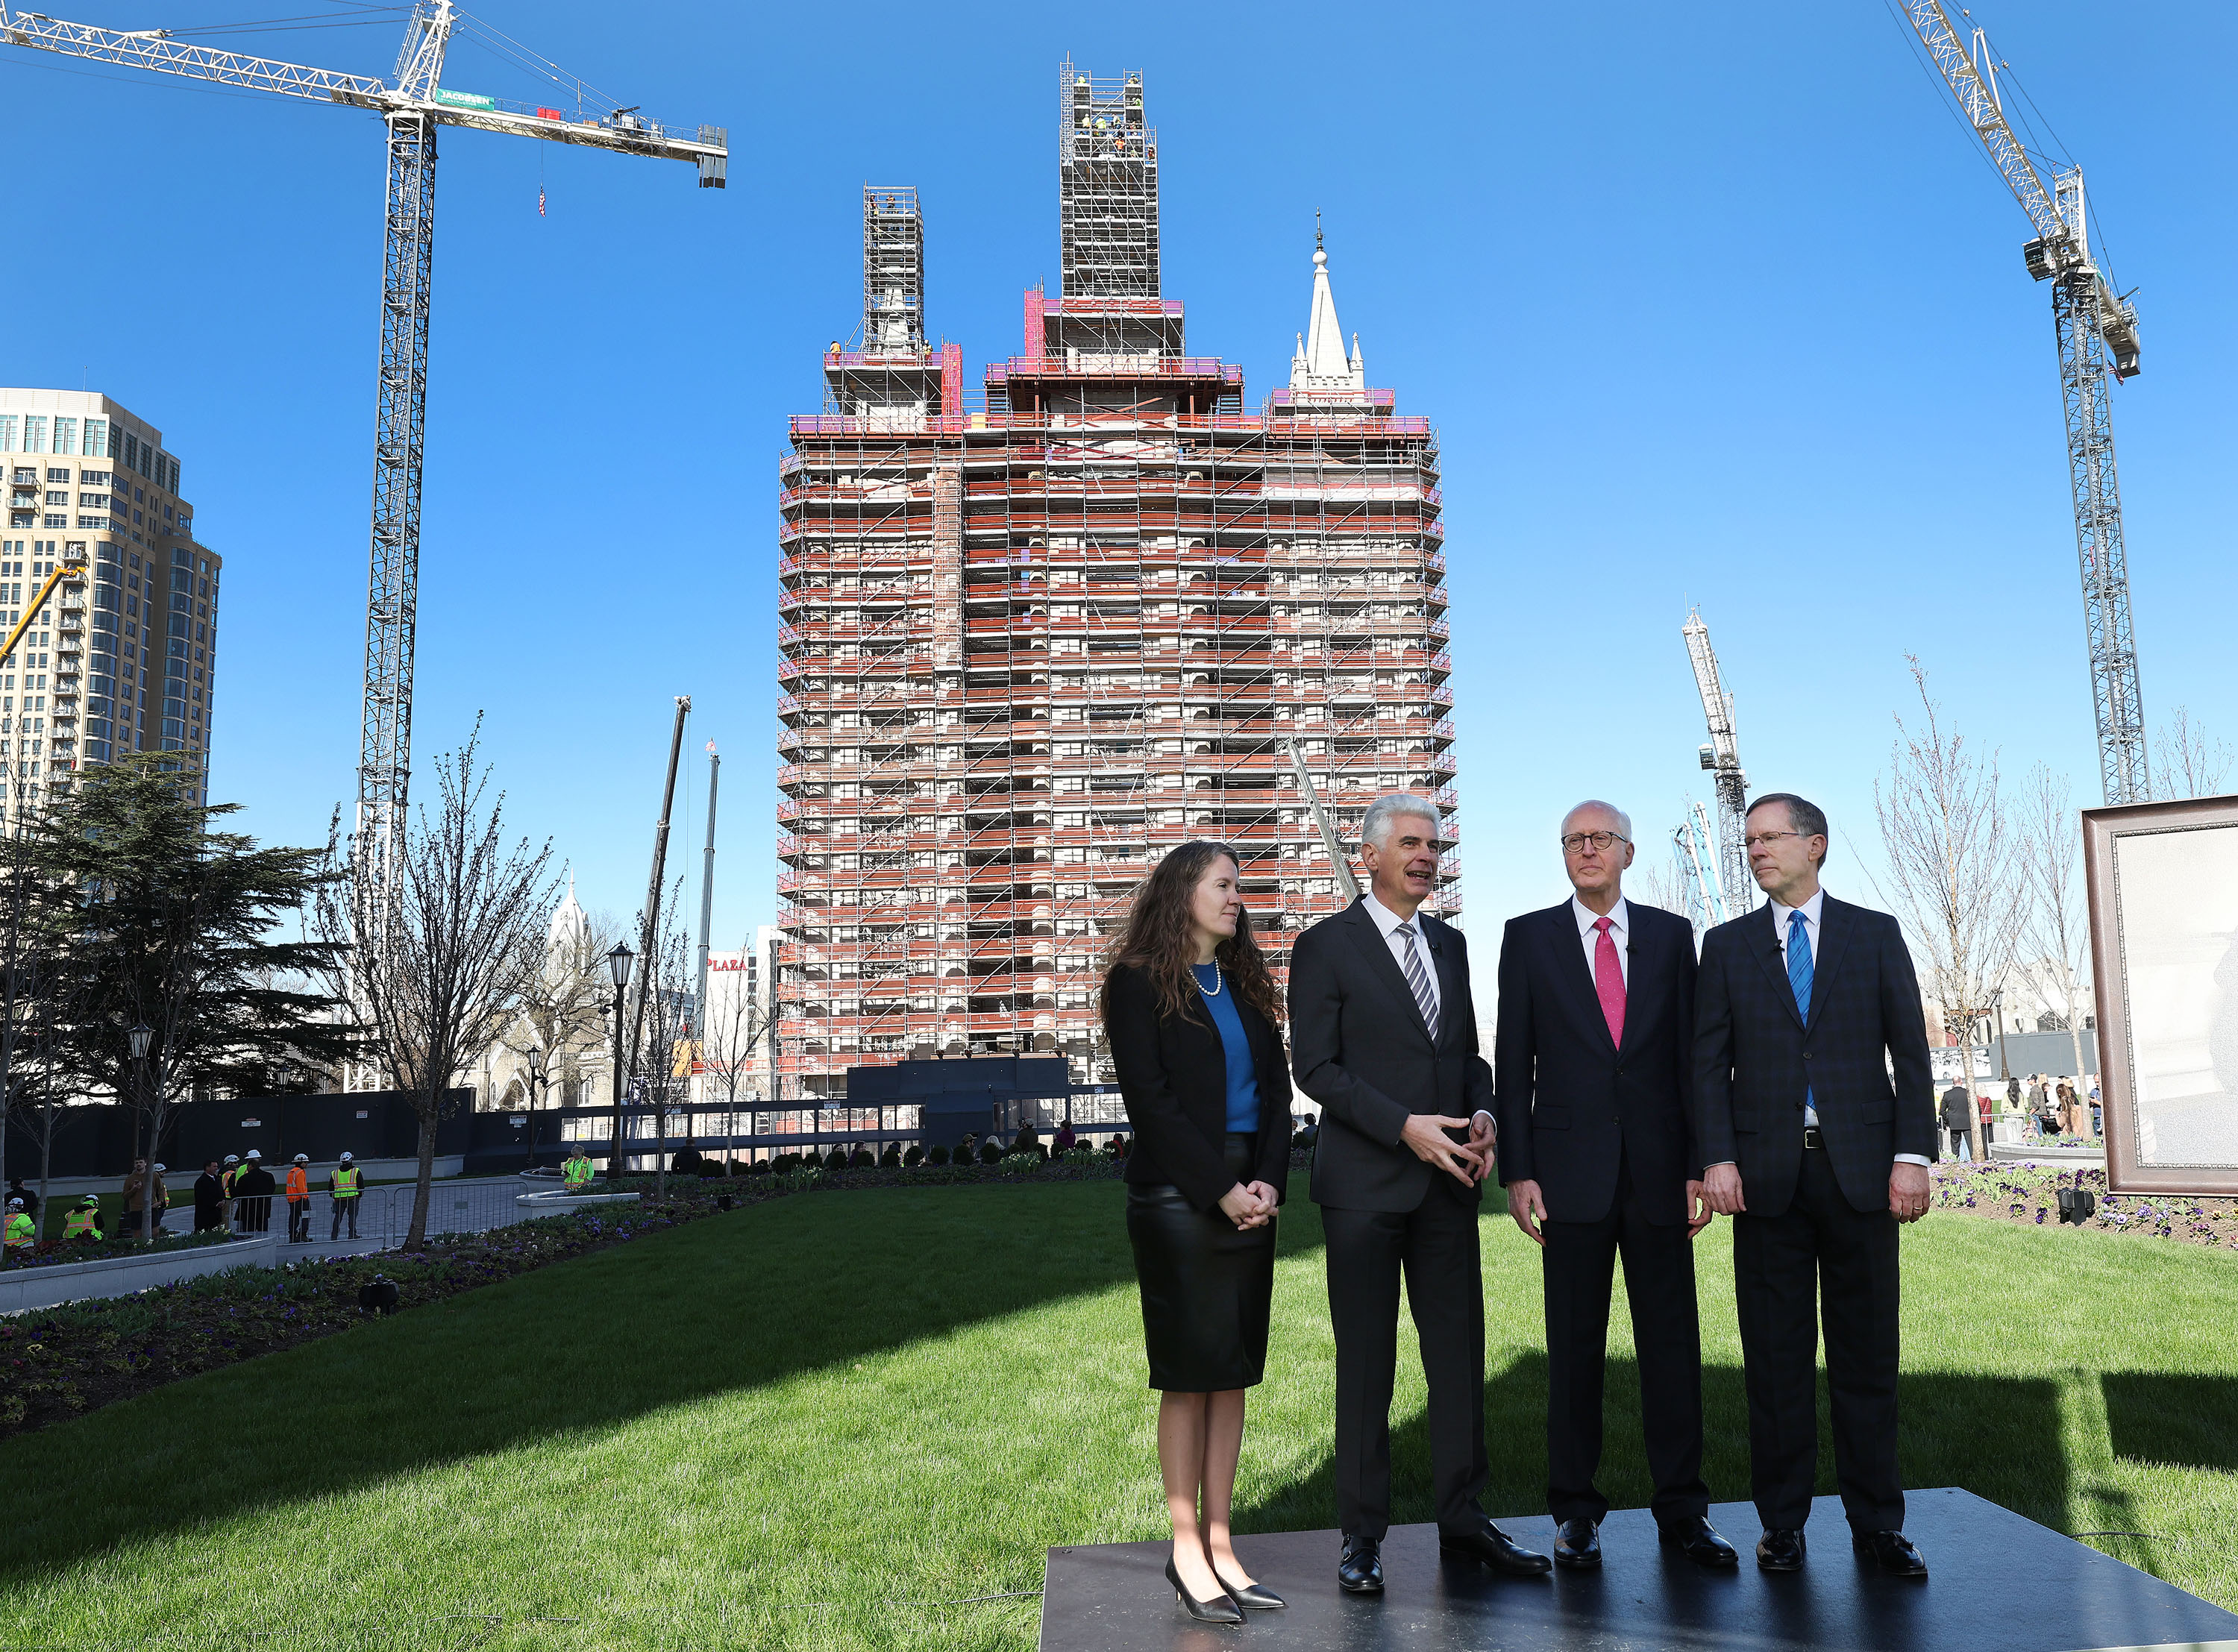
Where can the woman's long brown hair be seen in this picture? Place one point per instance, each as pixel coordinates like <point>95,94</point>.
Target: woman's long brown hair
<point>1159,938</point>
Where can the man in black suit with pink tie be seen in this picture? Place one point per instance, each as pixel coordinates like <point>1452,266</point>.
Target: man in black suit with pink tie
<point>1593,1064</point>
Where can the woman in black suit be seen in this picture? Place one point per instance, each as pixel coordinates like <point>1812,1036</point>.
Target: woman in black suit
<point>1192,1015</point>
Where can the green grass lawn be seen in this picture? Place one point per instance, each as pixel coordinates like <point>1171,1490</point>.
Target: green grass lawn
<point>797,1424</point>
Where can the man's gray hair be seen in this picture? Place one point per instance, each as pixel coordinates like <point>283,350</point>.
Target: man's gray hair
<point>1375,825</point>
<point>1803,815</point>
<point>1623,819</point>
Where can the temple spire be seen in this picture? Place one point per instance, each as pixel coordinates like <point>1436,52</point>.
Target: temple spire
<point>1320,363</point>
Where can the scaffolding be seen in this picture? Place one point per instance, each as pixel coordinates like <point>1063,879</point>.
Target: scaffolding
<point>893,271</point>
<point>1029,645</point>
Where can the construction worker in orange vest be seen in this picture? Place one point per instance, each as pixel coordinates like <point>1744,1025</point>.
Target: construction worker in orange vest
<point>299,1201</point>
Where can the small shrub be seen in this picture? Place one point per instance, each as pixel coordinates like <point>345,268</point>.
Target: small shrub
<point>915,1156</point>
<point>835,1159</point>
<point>990,1152</point>
<point>938,1155</point>
<point>891,1160</point>
<point>862,1160</point>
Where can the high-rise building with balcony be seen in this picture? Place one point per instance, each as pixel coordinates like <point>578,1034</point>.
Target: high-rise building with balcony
<point>1033,637</point>
<point>124,658</point>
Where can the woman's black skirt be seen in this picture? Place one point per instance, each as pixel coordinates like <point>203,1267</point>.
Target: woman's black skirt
<point>1207,1287</point>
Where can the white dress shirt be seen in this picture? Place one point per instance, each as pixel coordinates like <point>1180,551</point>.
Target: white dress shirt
<point>1387,923</point>
<point>1810,910</point>
<point>1619,917</point>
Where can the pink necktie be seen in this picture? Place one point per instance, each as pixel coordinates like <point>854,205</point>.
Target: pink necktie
<point>1608,981</point>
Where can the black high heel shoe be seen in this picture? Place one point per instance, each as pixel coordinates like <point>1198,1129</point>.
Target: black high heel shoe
<point>1252,1597</point>
<point>1219,1609</point>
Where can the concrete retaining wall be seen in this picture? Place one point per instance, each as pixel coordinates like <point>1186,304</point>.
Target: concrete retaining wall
<point>60,1282</point>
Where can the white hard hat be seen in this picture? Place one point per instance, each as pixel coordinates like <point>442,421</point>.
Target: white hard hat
<point>253,1153</point>
<point>302,1159</point>
<point>160,1169</point>
<point>347,1157</point>
<point>15,1204</point>
<point>233,1159</point>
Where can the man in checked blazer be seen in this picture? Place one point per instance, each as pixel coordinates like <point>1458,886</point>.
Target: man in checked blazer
<point>1383,1036</point>
<point>1802,1009</point>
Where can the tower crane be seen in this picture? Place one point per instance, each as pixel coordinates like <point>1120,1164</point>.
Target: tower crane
<point>2097,332</point>
<point>1697,870</point>
<point>412,104</point>
<point>1721,756</point>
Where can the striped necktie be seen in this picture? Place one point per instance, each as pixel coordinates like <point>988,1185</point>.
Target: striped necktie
<point>1418,982</point>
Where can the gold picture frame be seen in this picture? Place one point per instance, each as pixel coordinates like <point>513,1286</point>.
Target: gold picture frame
<point>2163,890</point>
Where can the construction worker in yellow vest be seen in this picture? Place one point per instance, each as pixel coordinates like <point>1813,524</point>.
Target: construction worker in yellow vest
<point>80,1223</point>
<point>579,1172</point>
<point>345,1184</point>
<point>22,1232</point>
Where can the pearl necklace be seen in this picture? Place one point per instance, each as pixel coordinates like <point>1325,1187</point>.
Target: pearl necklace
<point>1212,991</point>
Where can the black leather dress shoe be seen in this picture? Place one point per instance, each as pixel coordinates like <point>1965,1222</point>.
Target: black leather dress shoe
<point>1891,1551</point>
<point>1489,1546</point>
<point>1780,1551</point>
<point>1218,1610</point>
<point>1695,1538</point>
<point>1359,1571</point>
<point>1578,1545</point>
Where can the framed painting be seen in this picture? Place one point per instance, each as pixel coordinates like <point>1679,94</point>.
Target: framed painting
<point>2163,886</point>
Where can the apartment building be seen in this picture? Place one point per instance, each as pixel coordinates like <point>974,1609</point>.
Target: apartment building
<point>121,657</point>
<point>1034,633</point>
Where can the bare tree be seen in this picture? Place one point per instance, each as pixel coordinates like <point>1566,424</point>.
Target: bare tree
<point>731,1029</point>
<point>2055,925</point>
<point>1953,869</point>
<point>2190,761</point>
<point>660,1045</point>
<point>438,973</point>
<point>563,1005</point>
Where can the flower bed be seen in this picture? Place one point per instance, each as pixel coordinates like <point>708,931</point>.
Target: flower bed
<point>2028,1194</point>
<point>59,1361</point>
<point>49,1251</point>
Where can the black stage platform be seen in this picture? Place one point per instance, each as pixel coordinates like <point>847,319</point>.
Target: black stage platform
<point>1998,1583</point>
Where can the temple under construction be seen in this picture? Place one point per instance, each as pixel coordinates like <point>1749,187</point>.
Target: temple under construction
<point>1032,637</point>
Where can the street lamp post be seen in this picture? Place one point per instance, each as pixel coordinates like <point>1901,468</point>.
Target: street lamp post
<point>617,968</point>
<point>139,1036</point>
<point>536,1081</point>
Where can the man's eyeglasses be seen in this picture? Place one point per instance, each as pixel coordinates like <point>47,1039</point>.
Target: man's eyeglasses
<point>1764,840</point>
<point>1576,841</point>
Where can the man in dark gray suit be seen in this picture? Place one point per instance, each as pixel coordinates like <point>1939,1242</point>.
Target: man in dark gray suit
<point>1383,1036</point>
<point>1802,1009</point>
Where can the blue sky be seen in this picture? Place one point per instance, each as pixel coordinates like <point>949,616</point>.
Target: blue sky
<point>1713,307</point>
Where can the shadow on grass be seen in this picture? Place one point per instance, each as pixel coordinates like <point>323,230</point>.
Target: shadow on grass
<point>2187,1421</point>
<point>1995,1437</point>
<point>731,1302</point>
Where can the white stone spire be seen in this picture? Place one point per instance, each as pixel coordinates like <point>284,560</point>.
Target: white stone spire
<point>1320,363</point>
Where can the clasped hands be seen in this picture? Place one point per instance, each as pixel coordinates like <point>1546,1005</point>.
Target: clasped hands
<point>1249,1207</point>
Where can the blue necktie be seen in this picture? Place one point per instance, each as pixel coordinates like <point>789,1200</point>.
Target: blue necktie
<point>1798,974</point>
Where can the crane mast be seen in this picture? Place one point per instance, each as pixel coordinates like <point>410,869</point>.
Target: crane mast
<point>1721,756</point>
<point>1697,870</point>
<point>2096,332</point>
<point>412,107</point>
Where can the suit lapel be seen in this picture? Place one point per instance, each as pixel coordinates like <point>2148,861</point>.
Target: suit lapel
<point>1441,961</point>
<point>1836,924</point>
<point>1639,975</point>
<point>1383,966</point>
<point>1764,940</point>
<point>1570,965</point>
